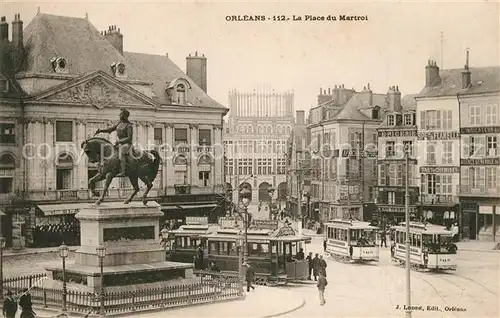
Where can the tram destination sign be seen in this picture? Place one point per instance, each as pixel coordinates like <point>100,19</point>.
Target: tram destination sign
<point>438,135</point>
<point>442,169</point>
<point>480,161</point>
<point>480,130</point>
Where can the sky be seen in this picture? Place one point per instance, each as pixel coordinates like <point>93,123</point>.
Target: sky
<point>390,48</point>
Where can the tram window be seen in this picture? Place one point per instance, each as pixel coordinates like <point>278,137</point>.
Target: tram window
<point>344,235</point>
<point>418,240</point>
<point>233,249</point>
<point>265,248</point>
<point>214,248</point>
<point>223,248</point>
<point>188,242</point>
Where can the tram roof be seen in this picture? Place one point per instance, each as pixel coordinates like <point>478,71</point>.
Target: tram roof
<point>348,224</point>
<point>194,229</point>
<point>417,227</point>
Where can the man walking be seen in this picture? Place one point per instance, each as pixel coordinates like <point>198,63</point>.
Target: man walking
<point>383,238</point>
<point>322,266</point>
<point>309,259</point>
<point>322,282</point>
<point>250,273</point>
<point>9,306</point>
<point>316,266</point>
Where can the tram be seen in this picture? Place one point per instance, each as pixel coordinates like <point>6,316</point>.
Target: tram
<point>431,246</point>
<point>272,251</point>
<point>351,241</point>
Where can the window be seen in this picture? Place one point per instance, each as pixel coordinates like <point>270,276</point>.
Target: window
<point>180,177</point>
<point>281,166</point>
<point>408,146</point>
<point>472,145</point>
<point>245,166</point>
<point>7,133</point>
<point>7,172</point>
<point>447,152</point>
<point>264,166</point>
<point>181,136</point>
<point>158,136</point>
<point>475,115</point>
<point>204,176</point>
<point>64,172</point>
<point>229,166</point>
<point>430,119</point>
<point>492,146</point>
<point>390,120</point>
<point>390,150</point>
<point>491,115</point>
<point>280,147</point>
<point>399,175</point>
<point>491,177</point>
<point>408,119</point>
<point>391,197</point>
<point>376,112</point>
<point>204,137</point>
<point>91,172</point>
<point>181,94</point>
<point>64,131</point>
<point>447,119</point>
<point>446,184</point>
<point>382,176</point>
<point>431,184</point>
<point>431,153</point>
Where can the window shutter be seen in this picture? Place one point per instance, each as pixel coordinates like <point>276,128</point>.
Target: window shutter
<point>382,174</point>
<point>482,179</point>
<point>422,120</point>
<point>423,181</point>
<point>481,145</point>
<point>464,176</point>
<point>438,119</point>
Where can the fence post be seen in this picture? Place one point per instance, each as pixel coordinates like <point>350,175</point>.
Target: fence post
<point>190,300</point>
<point>133,302</point>
<point>44,298</point>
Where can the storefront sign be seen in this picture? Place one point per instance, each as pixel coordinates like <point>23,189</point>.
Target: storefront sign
<point>265,224</point>
<point>196,220</point>
<point>397,161</point>
<point>486,209</point>
<point>470,207</point>
<point>441,135</point>
<point>395,209</point>
<point>182,149</point>
<point>398,133</point>
<point>480,161</point>
<point>344,153</point>
<point>480,130</point>
<point>286,231</point>
<point>442,169</point>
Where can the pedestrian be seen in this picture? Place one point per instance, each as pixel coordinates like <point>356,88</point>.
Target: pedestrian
<point>316,266</point>
<point>9,306</point>
<point>300,255</point>
<point>322,265</point>
<point>249,275</point>
<point>383,238</point>
<point>26,305</point>
<point>309,259</point>
<point>322,283</point>
<point>324,245</point>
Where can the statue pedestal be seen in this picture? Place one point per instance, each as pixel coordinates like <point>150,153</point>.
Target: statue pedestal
<point>130,233</point>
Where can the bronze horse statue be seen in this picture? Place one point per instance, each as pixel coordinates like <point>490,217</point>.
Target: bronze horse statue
<point>142,164</point>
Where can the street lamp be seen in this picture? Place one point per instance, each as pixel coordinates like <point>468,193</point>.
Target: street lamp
<point>407,224</point>
<point>271,193</point>
<point>63,252</point>
<point>101,253</point>
<point>246,198</point>
<point>164,237</point>
<point>2,246</point>
<point>240,260</point>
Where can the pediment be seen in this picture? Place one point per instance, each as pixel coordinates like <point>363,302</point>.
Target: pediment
<point>99,90</point>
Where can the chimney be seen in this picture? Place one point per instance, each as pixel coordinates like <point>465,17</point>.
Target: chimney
<point>114,37</point>
<point>4,30</point>
<point>431,74</point>
<point>324,96</point>
<point>466,80</point>
<point>196,69</point>
<point>394,97</point>
<point>17,31</point>
<point>300,117</point>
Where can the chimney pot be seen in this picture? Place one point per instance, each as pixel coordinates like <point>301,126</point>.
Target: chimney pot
<point>364,88</point>
<point>328,90</point>
<point>196,53</point>
<point>397,88</point>
<point>342,85</point>
<point>335,86</point>
<point>368,86</point>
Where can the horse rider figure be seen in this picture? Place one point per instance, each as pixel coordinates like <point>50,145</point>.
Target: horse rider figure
<point>124,131</point>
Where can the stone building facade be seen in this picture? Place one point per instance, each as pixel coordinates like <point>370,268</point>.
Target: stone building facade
<point>74,80</point>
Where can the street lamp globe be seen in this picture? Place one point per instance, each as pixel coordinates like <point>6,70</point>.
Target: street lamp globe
<point>271,191</point>
<point>2,242</point>
<point>101,251</point>
<point>63,250</point>
<point>246,197</point>
<point>164,233</point>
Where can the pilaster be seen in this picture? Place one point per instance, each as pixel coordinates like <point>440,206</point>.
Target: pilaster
<point>41,157</point>
<point>218,172</point>
<point>193,167</point>
<point>50,163</point>
<point>168,165</point>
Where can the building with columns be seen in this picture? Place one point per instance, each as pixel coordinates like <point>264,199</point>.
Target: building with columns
<point>255,135</point>
<point>72,80</point>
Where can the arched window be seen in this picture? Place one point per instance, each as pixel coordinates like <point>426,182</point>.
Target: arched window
<point>376,112</point>
<point>64,172</point>
<point>269,130</point>
<point>280,130</point>
<point>181,94</point>
<point>288,129</point>
<point>259,129</point>
<point>7,171</point>
<point>250,129</point>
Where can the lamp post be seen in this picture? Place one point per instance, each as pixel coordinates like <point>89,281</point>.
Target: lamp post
<point>2,246</point>
<point>63,252</point>
<point>271,193</point>
<point>246,198</point>
<point>407,241</point>
<point>101,253</point>
<point>240,260</point>
<point>164,237</point>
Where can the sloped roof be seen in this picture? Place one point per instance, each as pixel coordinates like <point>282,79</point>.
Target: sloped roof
<point>408,102</point>
<point>160,70</point>
<point>483,80</point>
<point>75,39</point>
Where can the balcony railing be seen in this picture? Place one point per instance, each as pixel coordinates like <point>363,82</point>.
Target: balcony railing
<point>438,199</point>
<point>474,191</point>
<point>81,195</point>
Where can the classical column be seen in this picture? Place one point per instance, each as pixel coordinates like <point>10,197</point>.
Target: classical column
<point>29,152</point>
<point>42,158</point>
<point>81,167</point>
<point>193,156</point>
<point>49,166</point>
<point>168,155</point>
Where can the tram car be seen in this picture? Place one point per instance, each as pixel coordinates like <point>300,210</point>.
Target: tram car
<point>273,251</point>
<point>431,246</point>
<point>351,241</point>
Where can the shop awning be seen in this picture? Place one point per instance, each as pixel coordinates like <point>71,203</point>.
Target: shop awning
<point>194,206</point>
<point>61,209</point>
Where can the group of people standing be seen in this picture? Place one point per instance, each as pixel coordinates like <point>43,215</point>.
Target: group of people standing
<point>10,305</point>
<point>317,265</point>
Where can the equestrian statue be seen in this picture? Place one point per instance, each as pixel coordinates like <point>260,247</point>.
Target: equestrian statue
<point>121,159</point>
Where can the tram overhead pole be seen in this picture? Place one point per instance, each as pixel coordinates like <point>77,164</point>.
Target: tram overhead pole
<point>407,240</point>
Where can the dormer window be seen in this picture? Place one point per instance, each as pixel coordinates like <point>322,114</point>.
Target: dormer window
<point>376,112</point>
<point>59,65</point>
<point>181,94</point>
<point>408,119</point>
<point>119,69</point>
<point>391,121</point>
